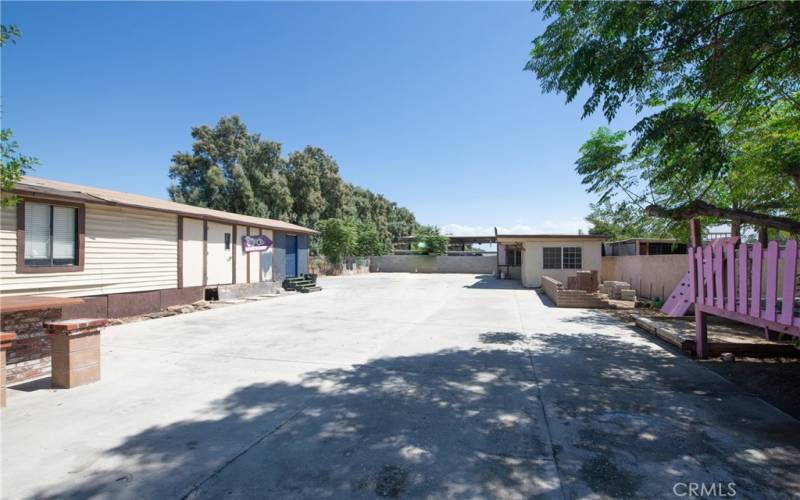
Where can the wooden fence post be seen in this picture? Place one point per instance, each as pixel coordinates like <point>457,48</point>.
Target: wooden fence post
<point>701,328</point>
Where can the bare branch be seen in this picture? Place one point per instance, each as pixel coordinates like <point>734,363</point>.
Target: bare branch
<point>698,208</point>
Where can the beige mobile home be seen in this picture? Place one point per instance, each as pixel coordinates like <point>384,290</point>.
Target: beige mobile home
<point>127,254</point>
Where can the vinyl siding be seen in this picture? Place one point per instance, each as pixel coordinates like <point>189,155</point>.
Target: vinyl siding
<point>241,256</point>
<point>279,257</point>
<point>254,259</point>
<point>266,258</point>
<point>193,255</point>
<point>219,261</point>
<point>127,250</point>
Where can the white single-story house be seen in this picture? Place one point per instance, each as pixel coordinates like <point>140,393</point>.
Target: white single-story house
<point>528,257</point>
<point>128,254</point>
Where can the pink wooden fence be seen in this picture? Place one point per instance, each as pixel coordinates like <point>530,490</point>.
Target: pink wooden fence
<point>741,283</point>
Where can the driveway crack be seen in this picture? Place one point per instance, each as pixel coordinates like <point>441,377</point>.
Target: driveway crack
<point>553,453</point>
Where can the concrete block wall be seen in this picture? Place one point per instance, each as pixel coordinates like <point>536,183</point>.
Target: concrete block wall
<point>551,287</point>
<point>571,298</point>
<point>351,265</point>
<point>465,264</point>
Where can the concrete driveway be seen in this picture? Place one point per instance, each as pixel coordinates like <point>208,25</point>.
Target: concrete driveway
<point>395,385</point>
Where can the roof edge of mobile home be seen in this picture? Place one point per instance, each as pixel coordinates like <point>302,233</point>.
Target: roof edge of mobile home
<point>46,188</point>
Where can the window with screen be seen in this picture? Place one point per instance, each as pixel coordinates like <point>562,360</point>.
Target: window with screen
<point>572,257</point>
<point>552,258</point>
<point>51,235</point>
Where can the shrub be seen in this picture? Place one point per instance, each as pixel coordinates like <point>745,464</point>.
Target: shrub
<point>339,239</point>
<point>430,242</point>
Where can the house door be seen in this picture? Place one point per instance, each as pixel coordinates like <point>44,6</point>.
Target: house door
<point>291,256</point>
<point>219,254</point>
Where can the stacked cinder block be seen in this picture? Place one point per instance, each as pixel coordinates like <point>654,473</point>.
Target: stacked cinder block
<point>580,298</point>
<point>619,290</point>
<point>551,287</point>
<point>571,298</point>
<point>586,280</point>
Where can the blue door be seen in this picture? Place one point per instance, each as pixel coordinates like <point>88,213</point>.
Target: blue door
<point>291,256</point>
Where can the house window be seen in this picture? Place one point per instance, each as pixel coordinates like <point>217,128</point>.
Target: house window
<point>552,258</point>
<point>514,257</point>
<point>49,237</point>
<point>227,241</point>
<point>572,257</point>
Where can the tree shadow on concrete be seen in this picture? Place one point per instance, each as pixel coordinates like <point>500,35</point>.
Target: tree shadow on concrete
<point>629,419</point>
<point>623,420</point>
<point>461,423</point>
<point>504,338</point>
<point>593,317</point>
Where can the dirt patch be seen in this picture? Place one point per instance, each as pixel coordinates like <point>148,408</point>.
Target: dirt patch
<point>775,380</point>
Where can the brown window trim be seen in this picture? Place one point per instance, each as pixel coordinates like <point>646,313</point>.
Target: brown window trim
<point>81,243</point>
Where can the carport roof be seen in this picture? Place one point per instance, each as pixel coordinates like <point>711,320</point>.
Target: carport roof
<point>600,237</point>
<point>46,188</point>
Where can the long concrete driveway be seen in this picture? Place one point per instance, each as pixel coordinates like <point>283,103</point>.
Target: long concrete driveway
<point>395,385</point>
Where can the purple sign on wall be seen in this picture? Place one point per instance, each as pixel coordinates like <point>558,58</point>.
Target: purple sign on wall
<point>255,243</point>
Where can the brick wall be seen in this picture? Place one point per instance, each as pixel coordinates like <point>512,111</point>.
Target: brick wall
<point>29,357</point>
<point>570,298</point>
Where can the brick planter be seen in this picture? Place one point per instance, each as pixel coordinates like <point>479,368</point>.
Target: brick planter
<point>75,351</point>
<point>6,339</point>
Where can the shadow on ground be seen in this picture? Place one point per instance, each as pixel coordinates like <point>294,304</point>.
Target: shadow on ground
<point>490,282</point>
<point>624,422</point>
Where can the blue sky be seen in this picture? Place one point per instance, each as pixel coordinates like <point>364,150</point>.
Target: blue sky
<point>425,103</point>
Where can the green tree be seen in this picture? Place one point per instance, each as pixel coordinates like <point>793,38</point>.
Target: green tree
<point>622,220</point>
<point>429,241</point>
<point>389,220</point>
<point>14,164</point>
<point>9,33</point>
<point>318,191</point>
<point>233,170</point>
<point>710,72</point>
<point>339,239</point>
<point>369,241</point>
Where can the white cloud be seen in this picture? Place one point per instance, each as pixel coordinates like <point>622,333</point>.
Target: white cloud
<point>564,226</point>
